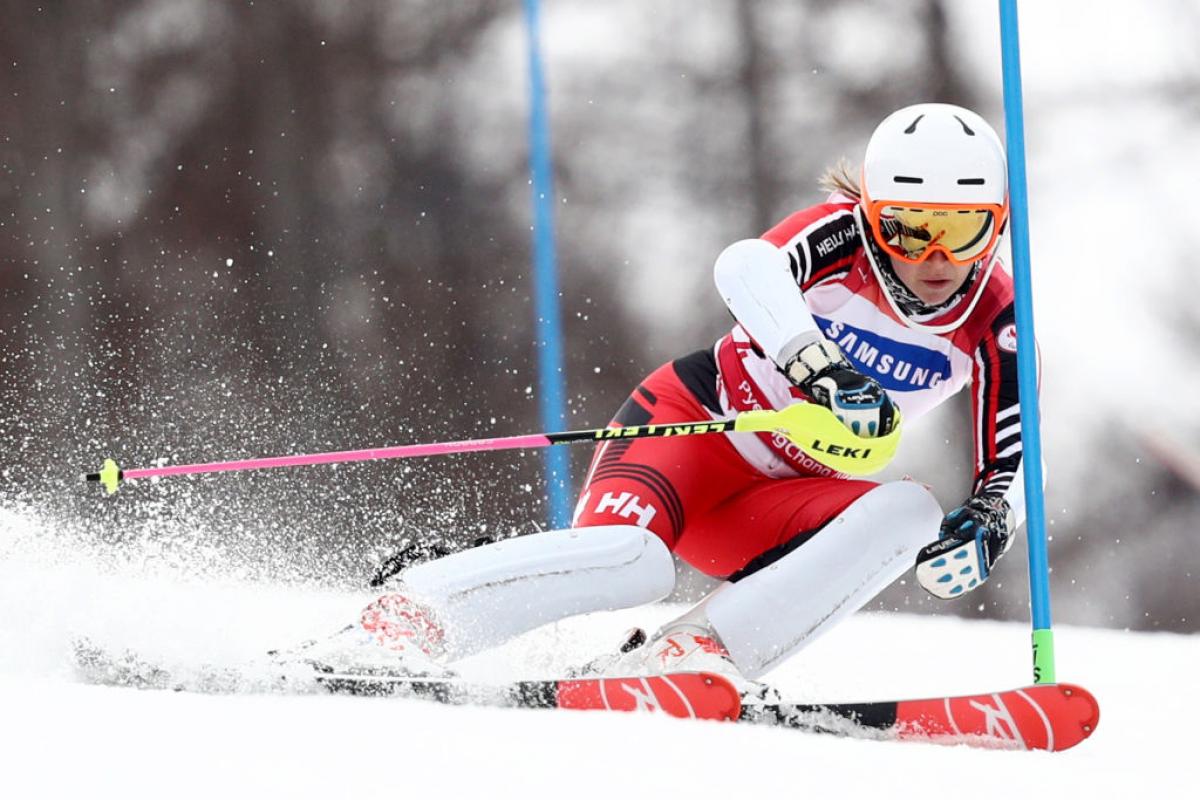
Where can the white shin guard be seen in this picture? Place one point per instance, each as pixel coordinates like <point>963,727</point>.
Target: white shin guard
<point>771,614</point>
<point>489,594</point>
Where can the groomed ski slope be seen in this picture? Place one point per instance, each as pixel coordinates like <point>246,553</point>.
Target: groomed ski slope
<point>61,738</point>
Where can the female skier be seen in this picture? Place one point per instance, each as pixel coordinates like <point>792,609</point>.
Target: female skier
<point>887,296</point>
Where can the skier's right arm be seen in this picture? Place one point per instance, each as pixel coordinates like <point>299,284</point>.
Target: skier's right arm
<point>756,282</point>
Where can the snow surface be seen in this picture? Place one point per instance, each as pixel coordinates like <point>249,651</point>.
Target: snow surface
<point>62,738</point>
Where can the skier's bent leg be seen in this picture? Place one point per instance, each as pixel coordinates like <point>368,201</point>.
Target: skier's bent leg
<point>482,597</point>
<point>786,597</point>
<point>767,616</point>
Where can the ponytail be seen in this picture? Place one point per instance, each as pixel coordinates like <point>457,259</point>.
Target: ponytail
<point>837,179</point>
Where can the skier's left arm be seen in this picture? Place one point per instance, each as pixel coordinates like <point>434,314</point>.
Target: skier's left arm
<point>978,532</point>
<point>996,406</point>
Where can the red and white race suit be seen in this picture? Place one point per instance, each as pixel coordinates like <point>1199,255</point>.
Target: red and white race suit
<point>731,504</point>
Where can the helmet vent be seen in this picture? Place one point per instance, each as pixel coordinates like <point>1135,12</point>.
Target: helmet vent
<point>907,179</point>
<point>971,181</point>
<point>966,130</point>
<point>913,127</point>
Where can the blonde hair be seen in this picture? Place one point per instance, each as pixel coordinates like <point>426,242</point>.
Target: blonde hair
<point>837,178</point>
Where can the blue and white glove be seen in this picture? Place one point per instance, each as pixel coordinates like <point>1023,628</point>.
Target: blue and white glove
<point>972,539</point>
<point>829,379</point>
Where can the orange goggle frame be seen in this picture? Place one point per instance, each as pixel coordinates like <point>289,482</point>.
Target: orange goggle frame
<point>911,231</point>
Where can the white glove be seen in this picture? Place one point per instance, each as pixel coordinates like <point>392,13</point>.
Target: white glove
<point>971,541</point>
<point>829,379</point>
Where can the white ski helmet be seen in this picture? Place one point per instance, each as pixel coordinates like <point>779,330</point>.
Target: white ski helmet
<point>934,178</point>
<point>936,153</point>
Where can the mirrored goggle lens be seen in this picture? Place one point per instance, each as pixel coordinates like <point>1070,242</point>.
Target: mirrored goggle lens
<point>964,234</point>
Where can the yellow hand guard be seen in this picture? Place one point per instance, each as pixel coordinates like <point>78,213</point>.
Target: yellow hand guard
<point>816,431</point>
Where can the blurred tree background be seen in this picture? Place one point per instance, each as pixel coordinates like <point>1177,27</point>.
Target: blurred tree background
<point>233,228</point>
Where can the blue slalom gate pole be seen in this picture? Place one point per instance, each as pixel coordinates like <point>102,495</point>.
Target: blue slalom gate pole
<point>551,381</point>
<point>1031,437</point>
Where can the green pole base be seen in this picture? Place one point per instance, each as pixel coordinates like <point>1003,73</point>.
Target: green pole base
<point>1043,656</point>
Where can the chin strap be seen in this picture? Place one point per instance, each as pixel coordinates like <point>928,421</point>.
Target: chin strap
<point>979,282</point>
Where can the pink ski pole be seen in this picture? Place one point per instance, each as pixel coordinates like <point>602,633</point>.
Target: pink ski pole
<point>814,428</point>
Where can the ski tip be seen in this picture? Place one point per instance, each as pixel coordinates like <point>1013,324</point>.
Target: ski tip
<point>109,476</point>
<point>1045,716</point>
<point>1081,719</point>
<point>690,695</point>
<point>1054,716</point>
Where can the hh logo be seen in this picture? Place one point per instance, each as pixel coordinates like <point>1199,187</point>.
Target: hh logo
<point>628,505</point>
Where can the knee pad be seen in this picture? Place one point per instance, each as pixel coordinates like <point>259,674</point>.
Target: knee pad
<point>766,617</point>
<point>489,594</point>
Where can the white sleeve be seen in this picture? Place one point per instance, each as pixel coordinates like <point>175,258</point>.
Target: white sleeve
<point>755,280</point>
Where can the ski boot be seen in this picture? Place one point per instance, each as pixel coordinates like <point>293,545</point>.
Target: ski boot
<point>686,646</point>
<point>395,636</point>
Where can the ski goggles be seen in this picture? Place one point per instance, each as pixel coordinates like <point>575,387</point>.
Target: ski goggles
<point>911,231</point>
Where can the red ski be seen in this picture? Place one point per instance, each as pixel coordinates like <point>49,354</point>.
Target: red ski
<point>693,695</point>
<point>1044,717</point>
<point>690,695</point>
